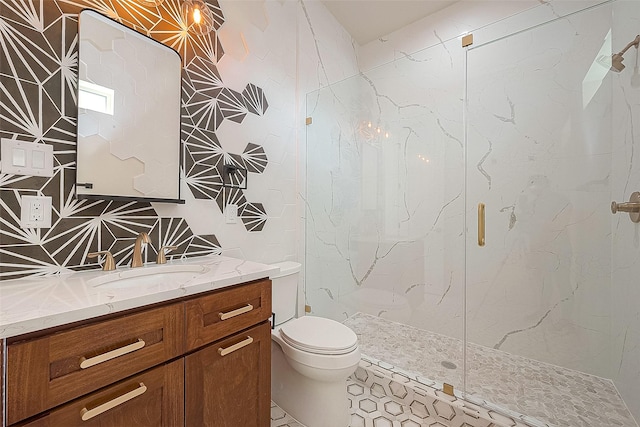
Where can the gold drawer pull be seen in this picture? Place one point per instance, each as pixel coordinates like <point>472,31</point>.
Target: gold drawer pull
<point>87,414</point>
<point>243,343</point>
<point>92,361</point>
<point>228,315</point>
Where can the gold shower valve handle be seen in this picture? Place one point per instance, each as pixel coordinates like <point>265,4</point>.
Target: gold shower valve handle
<point>632,207</point>
<point>625,207</point>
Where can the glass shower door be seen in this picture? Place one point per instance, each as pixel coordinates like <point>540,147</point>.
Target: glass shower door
<point>385,211</point>
<point>539,163</point>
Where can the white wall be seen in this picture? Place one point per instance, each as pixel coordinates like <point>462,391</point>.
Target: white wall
<point>287,48</point>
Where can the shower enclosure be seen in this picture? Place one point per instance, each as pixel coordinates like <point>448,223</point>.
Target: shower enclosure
<point>533,129</point>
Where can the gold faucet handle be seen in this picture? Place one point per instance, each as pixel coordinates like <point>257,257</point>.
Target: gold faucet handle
<point>162,259</point>
<point>109,263</point>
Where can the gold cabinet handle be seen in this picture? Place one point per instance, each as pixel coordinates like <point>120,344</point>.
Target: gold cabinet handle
<point>87,414</point>
<point>229,314</point>
<point>243,343</point>
<point>480,224</point>
<point>92,361</point>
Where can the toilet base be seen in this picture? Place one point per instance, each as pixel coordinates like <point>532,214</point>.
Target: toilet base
<point>313,403</point>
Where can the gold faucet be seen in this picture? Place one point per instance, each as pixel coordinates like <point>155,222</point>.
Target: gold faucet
<point>136,259</point>
<point>109,263</point>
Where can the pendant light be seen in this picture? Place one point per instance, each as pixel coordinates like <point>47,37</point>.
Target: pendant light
<point>198,16</point>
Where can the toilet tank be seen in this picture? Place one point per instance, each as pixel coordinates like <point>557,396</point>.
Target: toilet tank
<point>284,290</point>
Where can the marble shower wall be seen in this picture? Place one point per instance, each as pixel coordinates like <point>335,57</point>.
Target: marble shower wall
<point>385,202</point>
<point>539,157</point>
<point>551,143</point>
<point>385,214</point>
<point>625,179</point>
<point>385,222</point>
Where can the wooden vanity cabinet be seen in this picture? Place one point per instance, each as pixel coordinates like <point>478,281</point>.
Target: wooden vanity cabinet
<point>213,317</point>
<point>57,368</point>
<point>151,399</point>
<point>235,375</point>
<point>233,369</point>
<point>201,361</point>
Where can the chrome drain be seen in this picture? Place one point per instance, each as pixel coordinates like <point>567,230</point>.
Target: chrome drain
<point>449,365</point>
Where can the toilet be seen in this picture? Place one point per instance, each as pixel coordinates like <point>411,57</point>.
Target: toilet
<point>311,358</point>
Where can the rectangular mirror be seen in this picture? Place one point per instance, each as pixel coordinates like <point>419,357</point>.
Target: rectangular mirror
<point>128,114</point>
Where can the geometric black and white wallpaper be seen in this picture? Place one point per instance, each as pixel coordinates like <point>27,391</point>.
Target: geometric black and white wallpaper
<point>38,79</point>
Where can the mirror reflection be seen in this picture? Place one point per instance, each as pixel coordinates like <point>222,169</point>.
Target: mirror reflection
<point>128,114</point>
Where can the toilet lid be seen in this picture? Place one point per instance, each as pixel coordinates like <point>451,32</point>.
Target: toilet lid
<point>319,335</point>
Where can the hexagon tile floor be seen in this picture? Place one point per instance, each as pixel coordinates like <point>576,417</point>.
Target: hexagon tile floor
<point>386,395</point>
<point>550,395</point>
<point>381,397</point>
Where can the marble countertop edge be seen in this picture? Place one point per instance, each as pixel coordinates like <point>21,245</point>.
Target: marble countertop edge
<point>34,304</point>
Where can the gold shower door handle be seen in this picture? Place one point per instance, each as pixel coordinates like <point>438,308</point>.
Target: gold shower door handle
<point>480,224</point>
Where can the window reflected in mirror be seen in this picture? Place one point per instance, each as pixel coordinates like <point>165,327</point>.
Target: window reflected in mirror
<point>95,97</point>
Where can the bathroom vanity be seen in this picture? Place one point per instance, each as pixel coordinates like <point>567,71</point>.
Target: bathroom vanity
<point>194,353</point>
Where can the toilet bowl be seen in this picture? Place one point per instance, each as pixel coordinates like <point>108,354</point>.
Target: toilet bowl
<point>311,358</point>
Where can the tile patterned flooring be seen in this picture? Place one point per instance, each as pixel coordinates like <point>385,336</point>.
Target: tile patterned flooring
<point>280,418</point>
<point>381,397</point>
<point>402,395</point>
<point>553,395</point>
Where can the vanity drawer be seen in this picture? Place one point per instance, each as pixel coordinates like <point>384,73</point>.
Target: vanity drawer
<point>46,372</point>
<point>154,398</point>
<point>215,316</point>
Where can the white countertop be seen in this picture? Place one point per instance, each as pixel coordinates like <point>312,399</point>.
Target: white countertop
<point>32,304</point>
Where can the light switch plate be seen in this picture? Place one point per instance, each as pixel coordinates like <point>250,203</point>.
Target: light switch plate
<point>35,212</point>
<point>18,157</point>
<point>26,158</point>
<point>231,214</point>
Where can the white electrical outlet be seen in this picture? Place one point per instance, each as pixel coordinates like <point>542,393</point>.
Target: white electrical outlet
<point>231,214</point>
<point>35,212</point>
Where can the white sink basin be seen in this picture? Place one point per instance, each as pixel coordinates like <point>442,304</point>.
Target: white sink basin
<point>149,276</point>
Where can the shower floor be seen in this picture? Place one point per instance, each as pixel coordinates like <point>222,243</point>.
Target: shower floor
<point>553,395</point>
